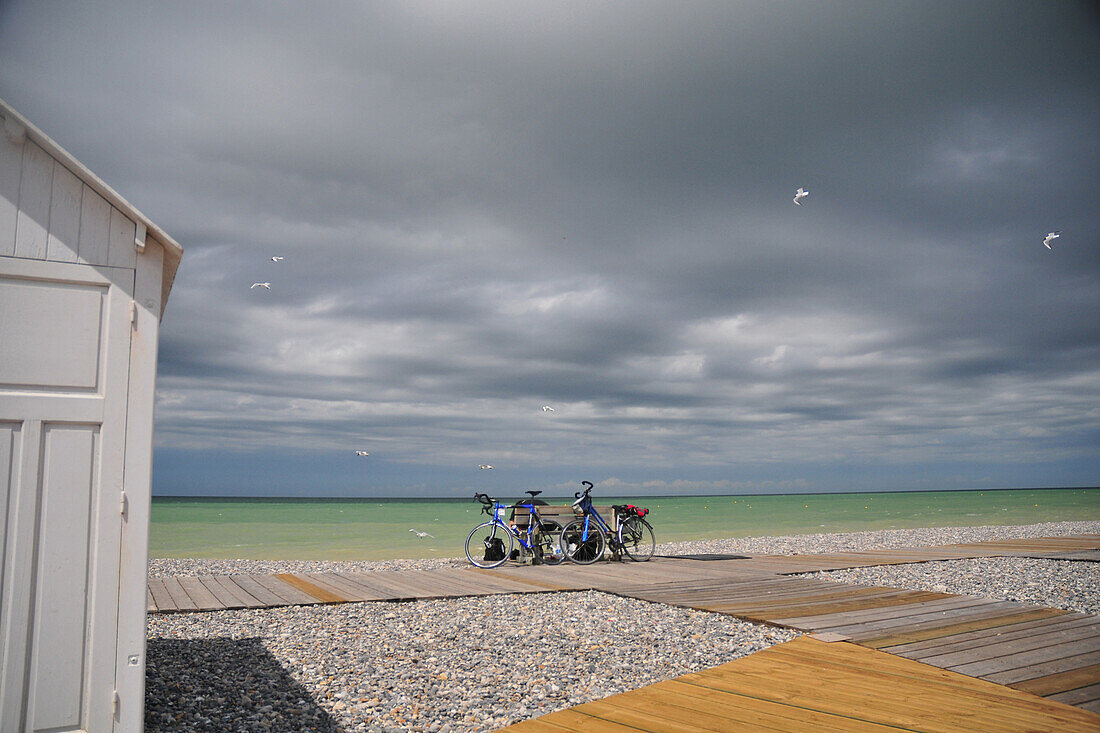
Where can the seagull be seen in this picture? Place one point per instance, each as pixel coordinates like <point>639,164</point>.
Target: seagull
<point>422,535</point>
<point>1050,238</point>
<point>800,194</point>
<point>547,408</point>
<point>277,258</point>
<point>261,285</point>
<point>361,453</point>
<point>483,466</point>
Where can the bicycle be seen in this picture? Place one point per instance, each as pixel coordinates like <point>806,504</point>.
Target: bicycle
<point>490,543</point>
<point>584,540</point>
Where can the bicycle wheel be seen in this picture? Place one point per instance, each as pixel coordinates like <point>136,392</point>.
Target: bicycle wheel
<point>488,545</point>
<point>580,549</point>
<point>636,538</point>
<point>547,542</point>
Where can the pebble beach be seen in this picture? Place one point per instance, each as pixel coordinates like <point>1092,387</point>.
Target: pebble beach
<point>478,664</point>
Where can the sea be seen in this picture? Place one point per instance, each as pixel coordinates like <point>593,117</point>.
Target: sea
<point>379,529</point>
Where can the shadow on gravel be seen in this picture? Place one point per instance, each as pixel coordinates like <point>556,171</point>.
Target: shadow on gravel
<point>225,684</point>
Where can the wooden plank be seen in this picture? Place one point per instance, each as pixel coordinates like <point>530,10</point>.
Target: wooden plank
<point>576,722</point>
<point>313,587</point>
<point>1060,681</point>
<point>95,228</point>
<point>674,705</point>
<point>780,715</point>
<point>1085,653</point>
<point>536,725</point>
<point>341,586</point>
<point>204,600</point>
<point>890,609</point>
<point>1007,648</point>
<point>911,699</point>
<point>536,584</point>
<point>880,638</point>
<point>11,171</point>
<point>289,593</point>
<point>1044,669</point>
<point>988,636</point>
<point>35,189</point>
<point>397,585</point>
<point>454,584</point>
<point>1078,695</point>
<point>225,598</point>
<point>160,595</point>
<point>503,582</point>
<point>408,586</point>
<point>150,603</point>
<point>64,231</point>
<point>479,582</point>
<point>251,585</point>
<point>494,584</point>
<point>989,609</point>
<point>370,591</point>
<point>758,596</point>
<point>229,586</point>
<point>180,599</point>
<point>121,250</point>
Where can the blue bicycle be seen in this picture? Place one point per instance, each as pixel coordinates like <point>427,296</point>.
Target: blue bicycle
<point>584,540</point>
<point>490,543</point>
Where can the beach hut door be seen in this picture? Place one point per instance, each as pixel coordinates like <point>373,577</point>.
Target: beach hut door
<point>65,332</point>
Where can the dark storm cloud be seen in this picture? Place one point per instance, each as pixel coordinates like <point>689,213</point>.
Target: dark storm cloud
<point>487,207</point>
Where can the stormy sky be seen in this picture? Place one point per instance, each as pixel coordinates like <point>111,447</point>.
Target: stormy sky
<point>487,207</point>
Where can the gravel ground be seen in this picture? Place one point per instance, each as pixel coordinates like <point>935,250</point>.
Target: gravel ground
<point>466,664</point>
<point>1072,585</point>
<point>476,664</point>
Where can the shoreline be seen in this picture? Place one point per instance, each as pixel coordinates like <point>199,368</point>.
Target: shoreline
<point>763,545</point>
<point>480,663</point>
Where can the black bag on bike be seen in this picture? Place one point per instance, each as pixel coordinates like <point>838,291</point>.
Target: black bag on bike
<point>494,549</point>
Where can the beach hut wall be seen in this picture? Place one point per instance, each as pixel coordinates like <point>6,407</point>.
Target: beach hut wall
<point>84,277</point>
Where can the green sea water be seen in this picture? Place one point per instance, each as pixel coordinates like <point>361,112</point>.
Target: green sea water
<point>378,529</point>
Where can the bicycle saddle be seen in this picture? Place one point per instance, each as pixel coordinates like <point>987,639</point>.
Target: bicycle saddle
<point>533,493</point>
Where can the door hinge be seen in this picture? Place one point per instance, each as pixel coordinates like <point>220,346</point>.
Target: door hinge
<point>116,703</point>
<point>133,314</point>
<point>122,504</point>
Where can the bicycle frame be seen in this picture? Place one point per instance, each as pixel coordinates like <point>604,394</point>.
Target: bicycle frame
<point>590,513</point>
<point>535,521</point>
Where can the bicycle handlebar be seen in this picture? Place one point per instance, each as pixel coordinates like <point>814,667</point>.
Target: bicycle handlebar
<point>586,492</point>
<point>486,502</point>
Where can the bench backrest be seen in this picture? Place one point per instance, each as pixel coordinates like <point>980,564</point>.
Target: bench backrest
<point>563,514</point>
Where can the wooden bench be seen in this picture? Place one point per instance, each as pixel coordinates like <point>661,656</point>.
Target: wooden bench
<point>562,514</point>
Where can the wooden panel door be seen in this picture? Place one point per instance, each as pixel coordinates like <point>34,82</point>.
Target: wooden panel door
<point>65,332</point>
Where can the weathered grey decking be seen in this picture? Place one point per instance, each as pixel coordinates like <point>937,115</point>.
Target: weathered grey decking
<point>1049,652</point>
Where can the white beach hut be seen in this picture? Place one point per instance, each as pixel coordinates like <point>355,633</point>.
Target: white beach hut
<point>84,277</point>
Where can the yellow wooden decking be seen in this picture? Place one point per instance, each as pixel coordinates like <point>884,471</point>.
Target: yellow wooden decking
<point>808,685</point>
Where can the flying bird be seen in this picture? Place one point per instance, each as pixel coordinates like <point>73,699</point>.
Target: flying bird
<point>361,453</point>
<point>547,408</point>
<point>484,466</point>
<point>261,285</point>
<point>1050,238</point>
<point>422,535</point>
<point>800,194</point>
<point>276,258</point>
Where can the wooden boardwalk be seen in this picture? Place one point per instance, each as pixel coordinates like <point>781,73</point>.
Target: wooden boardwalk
<point>220,592</point>
<point>1046,652</point>
<point>808,684</point>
